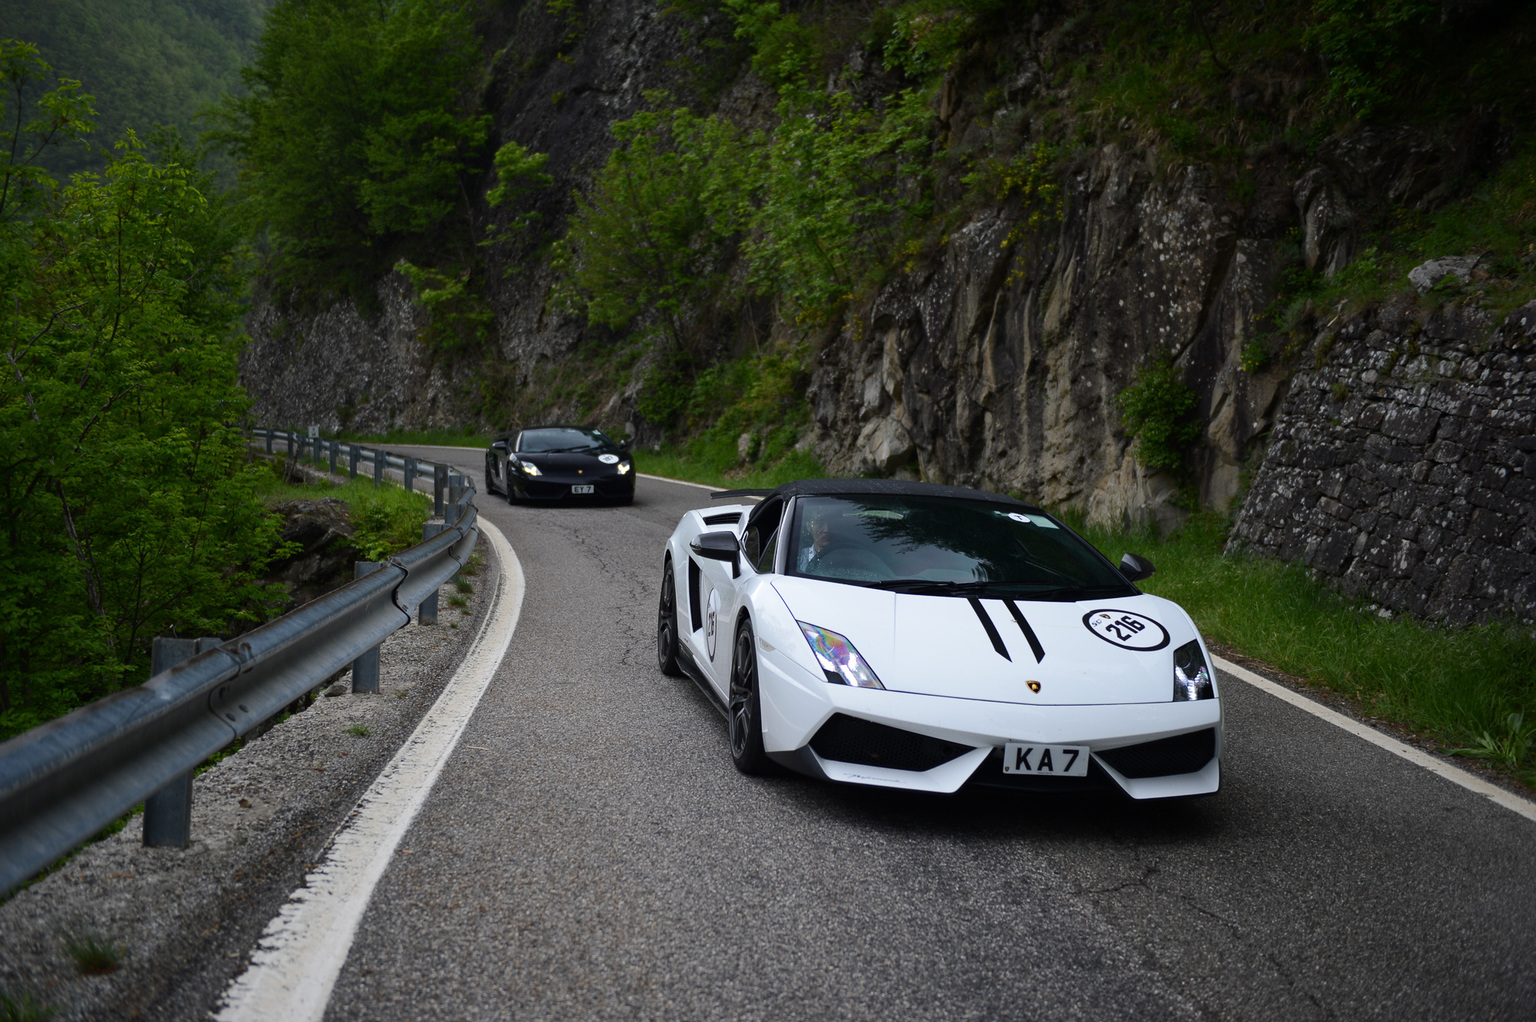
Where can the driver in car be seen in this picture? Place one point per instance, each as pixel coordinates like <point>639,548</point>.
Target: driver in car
<point>813,556</point>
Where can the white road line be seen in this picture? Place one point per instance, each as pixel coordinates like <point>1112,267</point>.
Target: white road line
<point>301,954</point>
<point>680,482</point>
<point>1514,803</point>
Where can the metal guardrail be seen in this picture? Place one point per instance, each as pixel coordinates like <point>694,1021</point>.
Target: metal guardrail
<point>64,781</point>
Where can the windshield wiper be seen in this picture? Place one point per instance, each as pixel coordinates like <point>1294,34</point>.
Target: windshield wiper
<point>571,450</point>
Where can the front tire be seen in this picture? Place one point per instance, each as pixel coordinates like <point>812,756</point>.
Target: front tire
<point>666,625</point>
<point>745,711</point>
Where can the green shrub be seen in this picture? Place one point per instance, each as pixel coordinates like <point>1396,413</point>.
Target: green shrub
<point>1157,413</point>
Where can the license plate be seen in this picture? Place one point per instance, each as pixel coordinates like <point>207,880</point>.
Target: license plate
<point>582,488</point>
<point>1045,760</point>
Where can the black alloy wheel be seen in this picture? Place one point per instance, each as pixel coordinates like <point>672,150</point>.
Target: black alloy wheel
<point>666,625</point>
<point>510,485</point>
<point>745,711</point>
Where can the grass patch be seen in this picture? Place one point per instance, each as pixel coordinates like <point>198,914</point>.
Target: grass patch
<point>93,954</point>
<point>385,519</point>
<point>715,464</point>
<point>360,730</point>
<point>23,1007</point>
<point>1460,687</point>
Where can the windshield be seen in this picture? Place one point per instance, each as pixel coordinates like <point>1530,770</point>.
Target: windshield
<point>937,545</point>
<point>562,438</point>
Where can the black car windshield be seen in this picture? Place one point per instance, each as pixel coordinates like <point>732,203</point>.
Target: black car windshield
<point>562,438</point>
<point>946,546</point>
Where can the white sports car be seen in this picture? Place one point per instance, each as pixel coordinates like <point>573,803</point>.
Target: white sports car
<point>918,636</point>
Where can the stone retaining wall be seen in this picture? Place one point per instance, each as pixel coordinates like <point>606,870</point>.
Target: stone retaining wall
<point>1404,465</point>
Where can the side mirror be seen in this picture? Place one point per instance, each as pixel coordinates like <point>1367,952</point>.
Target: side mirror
<point>717,546</point>
<point>499,445</point>
<point>627,444</point>
<point>1136,568</point>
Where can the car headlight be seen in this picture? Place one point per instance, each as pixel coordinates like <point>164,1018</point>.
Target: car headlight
<point>1191,674</point>
<point>839,660</point>
<point>529,468</point>
<point>624,468</point>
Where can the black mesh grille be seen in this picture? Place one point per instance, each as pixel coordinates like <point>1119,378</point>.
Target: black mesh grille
<point>851,740</point>
<point>723,518</point>
<point>1181,754</point>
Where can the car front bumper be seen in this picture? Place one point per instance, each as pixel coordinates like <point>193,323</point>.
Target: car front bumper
<point>558,487</point>
<point>796,707</point>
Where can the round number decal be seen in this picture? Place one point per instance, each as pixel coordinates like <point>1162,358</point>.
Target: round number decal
<point>608,459</point>
<point>711,619</point>
<point>1126,629</point>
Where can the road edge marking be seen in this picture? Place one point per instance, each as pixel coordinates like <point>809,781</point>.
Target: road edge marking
<point>1508,799</point>
<point>301,953</point>
<point>680,482</point>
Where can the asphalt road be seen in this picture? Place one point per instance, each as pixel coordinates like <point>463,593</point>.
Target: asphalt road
<point>590,853</point>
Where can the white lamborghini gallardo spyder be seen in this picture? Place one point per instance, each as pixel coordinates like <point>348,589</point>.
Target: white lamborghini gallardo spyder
<point>918,636</point>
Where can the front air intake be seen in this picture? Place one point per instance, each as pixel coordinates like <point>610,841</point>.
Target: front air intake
<point>1181,754</point>
<point>851,740</point>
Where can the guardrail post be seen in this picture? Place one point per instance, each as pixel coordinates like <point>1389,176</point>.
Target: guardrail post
<point>288,436</point>
<point>439,487</point>
<point>335,450</point>
<point>426,614</point>
<point>168,812</point>
<point>365,669</point>
<point>380,459</point>
<point>352,453</point>
<point>408,474</point>
<point>269,440</point>
<point>318,443</point>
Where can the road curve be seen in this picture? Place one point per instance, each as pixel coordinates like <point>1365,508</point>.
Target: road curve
<point>589,853</point>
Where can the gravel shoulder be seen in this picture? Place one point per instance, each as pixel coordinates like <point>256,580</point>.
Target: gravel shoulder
<point>186,920</point>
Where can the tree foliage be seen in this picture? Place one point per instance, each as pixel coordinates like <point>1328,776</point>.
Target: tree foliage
<point>651,240</point>
<point>1368,44</point>
<point>127,506</point>
<point>357,126</point>
<point>147,62</point>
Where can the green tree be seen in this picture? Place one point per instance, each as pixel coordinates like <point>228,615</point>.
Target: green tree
<point>147,62</point>
<point>356,127</point>
<point>836,187</point>
<point>1368,45</point>
<point>127,504</point>
<point>653,238</point>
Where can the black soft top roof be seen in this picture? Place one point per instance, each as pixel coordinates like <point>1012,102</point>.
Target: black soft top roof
<point>855,487</point>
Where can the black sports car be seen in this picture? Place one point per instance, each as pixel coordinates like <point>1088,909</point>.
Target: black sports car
<point>555,462</point>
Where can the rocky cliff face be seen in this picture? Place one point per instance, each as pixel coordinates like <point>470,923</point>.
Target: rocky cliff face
<point>998,361</point>
<point>1404,464</point>
<point>1000,365</point>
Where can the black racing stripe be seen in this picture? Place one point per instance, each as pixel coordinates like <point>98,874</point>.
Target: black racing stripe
<point>986,622</point>
<point>1029,633</point>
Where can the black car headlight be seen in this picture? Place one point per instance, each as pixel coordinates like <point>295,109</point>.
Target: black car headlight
<point>624,467</point>
<point>839,661</point>
<point>1191,674</point>
<point>529,468</point>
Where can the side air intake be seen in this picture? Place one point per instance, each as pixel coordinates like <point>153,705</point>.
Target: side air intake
<point>851,740</point>
<point>1181,754</point>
